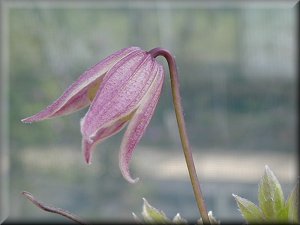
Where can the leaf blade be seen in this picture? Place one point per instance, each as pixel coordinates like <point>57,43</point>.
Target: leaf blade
<point>270,195</point>
<point>153,215</point>
<point>249,210</point>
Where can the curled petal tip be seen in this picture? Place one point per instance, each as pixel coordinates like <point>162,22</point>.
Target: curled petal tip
<point>87,157</point>
<point>132,181</point>
<point>125,172</point>
<point>87,151</point>
<point>127,176</point>
<point>24,121</point>
<point>27,120</point>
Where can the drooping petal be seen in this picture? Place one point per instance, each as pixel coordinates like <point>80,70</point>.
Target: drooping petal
<point>105,133</point>
<point>120,93</point>
<point>139,123</point>
<point>78,95</point>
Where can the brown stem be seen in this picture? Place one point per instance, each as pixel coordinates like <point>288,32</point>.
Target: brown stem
<point>182,130</point>
<point>52,209</point>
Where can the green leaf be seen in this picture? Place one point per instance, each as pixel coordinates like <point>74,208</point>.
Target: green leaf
<point>282,216</point>
<point>152,215</point>
<point>292,204</point>
<point>249,210</point>
<point>270,195</point>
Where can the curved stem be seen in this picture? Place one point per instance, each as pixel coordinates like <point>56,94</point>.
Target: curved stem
<point>182,130</point>
<point>52,209</point>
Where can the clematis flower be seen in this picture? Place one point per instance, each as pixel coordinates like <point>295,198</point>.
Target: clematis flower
<point>122,89</point>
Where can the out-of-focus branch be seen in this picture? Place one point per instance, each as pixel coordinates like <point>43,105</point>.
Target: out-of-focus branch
<point>55,210</point>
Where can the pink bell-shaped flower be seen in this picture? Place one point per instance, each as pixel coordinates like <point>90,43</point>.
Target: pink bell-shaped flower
<point>122,89</point>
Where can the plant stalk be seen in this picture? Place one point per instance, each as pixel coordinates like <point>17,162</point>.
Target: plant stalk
<point>182,130</point>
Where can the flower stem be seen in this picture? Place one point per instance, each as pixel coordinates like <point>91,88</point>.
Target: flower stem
<point>182,130</point>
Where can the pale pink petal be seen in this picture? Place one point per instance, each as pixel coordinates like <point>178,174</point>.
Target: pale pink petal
<point>138,124</point>
<point>105,133</point>
<point>76,96</point>
<point>120,93</point>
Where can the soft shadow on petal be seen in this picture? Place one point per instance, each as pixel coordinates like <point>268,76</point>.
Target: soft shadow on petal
<point>120,93</point>
<point>103,134</point>
<point>138,125</point>
<point>77,95</point>
<point>89,146</point>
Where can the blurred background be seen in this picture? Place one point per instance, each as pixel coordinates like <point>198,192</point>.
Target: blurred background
<point>237,67</point>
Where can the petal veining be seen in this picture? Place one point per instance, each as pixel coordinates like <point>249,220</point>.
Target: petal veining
<point>138,125</point>
<point>77,95</point>
<point>120,93</point>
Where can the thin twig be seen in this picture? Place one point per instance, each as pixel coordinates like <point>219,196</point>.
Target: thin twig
<point>55,210</point>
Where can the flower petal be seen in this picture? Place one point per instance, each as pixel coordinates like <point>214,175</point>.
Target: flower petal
<point>105,133</point>
<point>77,96</point>
<point>139,123</point>
<point>120,93</point>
